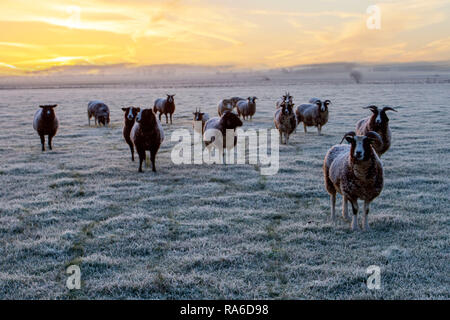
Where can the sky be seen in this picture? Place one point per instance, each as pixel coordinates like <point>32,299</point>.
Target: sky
<point>40,35</point>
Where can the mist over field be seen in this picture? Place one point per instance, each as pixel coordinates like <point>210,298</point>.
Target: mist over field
<point>220,231</point>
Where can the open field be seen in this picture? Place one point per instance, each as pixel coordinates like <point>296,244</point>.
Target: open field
<point>215,231</point>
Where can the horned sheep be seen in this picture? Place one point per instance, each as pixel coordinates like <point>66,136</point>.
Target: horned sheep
<point>356,172</point>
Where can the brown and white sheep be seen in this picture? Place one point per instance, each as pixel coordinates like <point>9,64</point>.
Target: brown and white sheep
<point>165,106</point>
<point>285,121</point>
<point>228,121</point>
<point>46,123</point>
<point>130,114</point>
<point>378,122</point>
<point>246,108</point>
<point>200,116</point>
<point>99,111</point>
<point>224,105</point>
<point>355,172</point>
<point>147,134</point>
<point>313,114</point>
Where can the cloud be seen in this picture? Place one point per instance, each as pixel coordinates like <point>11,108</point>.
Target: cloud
<point>55,32</point>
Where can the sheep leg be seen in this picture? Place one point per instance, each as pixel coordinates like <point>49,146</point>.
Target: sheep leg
<point>42,141</point>
<point>141,153</point>
<point>345,208</point>
<point>132,150</point>
<point>304,127</point>
<point>286,138</point>
<point>171,118</point>
<point>281,136</point>
<point>365,217</point>
<point>333,207</point>
<point>167,119</point>
<point>319,129</point>
<point>50,137</point>
<point>89,120</point>
<point>160,114</point>
<point>355,215</point>
<point>152,158</point>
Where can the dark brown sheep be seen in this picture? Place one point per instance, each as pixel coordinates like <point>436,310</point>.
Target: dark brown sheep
<point>130,114</point>
<point>228,120</point>
<point>99,111</point>
<point>46,124</point>
<point>285,121</point>
<point>147,134</point>
<point>165,106</point>
<point>355,172</point>
<point>378,122</point>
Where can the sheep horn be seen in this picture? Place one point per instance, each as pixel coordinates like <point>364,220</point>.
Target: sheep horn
<point>350,133</point>
<point>373,136</point>
<point>373,108</point>
<point>389,109</point>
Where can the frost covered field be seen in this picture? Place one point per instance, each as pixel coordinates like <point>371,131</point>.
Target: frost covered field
<point>210,231</point>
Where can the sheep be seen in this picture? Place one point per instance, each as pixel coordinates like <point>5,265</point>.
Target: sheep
<point>200,116</point>
<point>165,106</point>
<point>285,121</point>
<point>224,105</point>
<point>46,123</point>
<point>147,134</point>
<point>246,108</point>
<point>285,98</point>
<point>228,120</point>
<point>355,172</point>
<point>313,114</point>
<point>130,114</point>
<point>378,122</point>
<point>99,111</point>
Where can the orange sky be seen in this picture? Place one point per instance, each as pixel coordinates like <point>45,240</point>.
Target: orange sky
<point>37,35</point>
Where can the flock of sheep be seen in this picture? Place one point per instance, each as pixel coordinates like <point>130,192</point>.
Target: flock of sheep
<point>354,170</point>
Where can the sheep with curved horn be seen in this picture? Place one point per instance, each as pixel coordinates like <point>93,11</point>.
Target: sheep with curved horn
<point>356,172</point>
<point>379,123</point>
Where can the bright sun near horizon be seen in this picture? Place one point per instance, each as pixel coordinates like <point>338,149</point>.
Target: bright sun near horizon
<point>38,36</point>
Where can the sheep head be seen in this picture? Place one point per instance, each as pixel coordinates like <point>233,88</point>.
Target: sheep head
<point>361,146</point>
<point>379,118</point>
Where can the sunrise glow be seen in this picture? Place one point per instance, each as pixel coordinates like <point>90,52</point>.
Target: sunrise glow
<point>38,35</point>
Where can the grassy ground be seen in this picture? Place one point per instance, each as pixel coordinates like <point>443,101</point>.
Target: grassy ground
<point>209,232</point>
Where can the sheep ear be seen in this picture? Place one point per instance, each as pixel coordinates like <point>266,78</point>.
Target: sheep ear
<point>138,109</point>
<point>124,109</point>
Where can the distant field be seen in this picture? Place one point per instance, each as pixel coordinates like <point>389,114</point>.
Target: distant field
<point>211,231</point>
